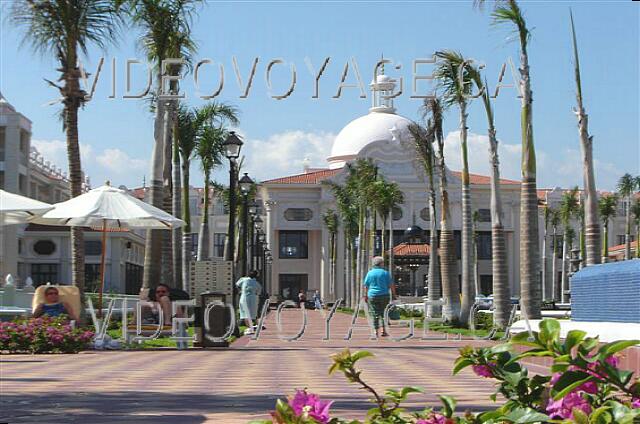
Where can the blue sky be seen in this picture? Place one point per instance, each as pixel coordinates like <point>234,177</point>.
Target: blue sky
<point>116,134</point>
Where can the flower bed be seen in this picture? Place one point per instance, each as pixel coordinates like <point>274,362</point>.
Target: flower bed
<point>585,386</point>
<point>42,335</point>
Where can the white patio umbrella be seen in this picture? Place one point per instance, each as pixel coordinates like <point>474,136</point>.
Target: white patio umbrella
<point>107,208</point>
<point>16,209</point>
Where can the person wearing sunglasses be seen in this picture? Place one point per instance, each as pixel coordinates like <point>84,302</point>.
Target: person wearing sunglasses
<point>52,306</point>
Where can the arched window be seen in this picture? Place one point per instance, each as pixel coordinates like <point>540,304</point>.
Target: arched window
<point>298,214</point>
<point>396,214</point>
<point>425,215</point>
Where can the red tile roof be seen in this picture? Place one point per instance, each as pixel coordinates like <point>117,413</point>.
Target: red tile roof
<point>620,248</point>
<point>483,179</point>
<point>313,177</point>
<point>316,177</point>
<point>411,249</point>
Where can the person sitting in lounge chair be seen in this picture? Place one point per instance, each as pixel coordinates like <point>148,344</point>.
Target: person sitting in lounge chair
<point>52,306</point>
<point>163,295</point>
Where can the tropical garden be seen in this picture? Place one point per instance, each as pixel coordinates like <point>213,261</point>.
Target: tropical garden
<point>365,202</point>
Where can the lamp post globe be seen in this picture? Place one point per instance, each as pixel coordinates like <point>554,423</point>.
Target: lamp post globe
<point>232,146</point>
<point>246,183</point>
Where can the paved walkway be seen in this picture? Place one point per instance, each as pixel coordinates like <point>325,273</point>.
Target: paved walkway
<point>226,386</point>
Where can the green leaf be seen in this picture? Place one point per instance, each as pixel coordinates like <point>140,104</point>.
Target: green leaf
<point>460,364</point>
<point>522,339</point>
<point>579,417</point>
<point>360,354</point>
<point>573,338</point>
<point>559,367</point>
<point>533,352</point>
<point>521,415</point>
<point>600,415</point>
<point>448,404</point>
<point>549,331</point>
<point>568,382</point>
<point>505,347</point>
<point>410,389</point>
<point>617,346</point>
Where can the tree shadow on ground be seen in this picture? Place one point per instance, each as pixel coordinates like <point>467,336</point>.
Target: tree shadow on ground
<point>153,407</point>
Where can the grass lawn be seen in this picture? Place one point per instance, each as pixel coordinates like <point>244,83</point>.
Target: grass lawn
<point>481,330</point>
<point>160,342</point>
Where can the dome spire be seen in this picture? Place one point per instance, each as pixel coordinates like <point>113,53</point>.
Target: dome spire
<point>382,87</point>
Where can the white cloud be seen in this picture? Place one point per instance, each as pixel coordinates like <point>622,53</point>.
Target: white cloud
<point>562,168</point>
<point>108,164</point>
<point>120,163</point>
<point>284,153</point>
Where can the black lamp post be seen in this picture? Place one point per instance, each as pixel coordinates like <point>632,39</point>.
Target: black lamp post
<point>246,183</point>
<point>232,146</point>
<point>257,227</point>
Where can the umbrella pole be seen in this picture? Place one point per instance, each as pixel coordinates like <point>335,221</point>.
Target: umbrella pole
<point>102,263</point>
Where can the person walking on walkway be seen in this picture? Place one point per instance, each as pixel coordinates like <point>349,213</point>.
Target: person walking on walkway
<point>317,300</point>
<point>377,284</point>
<point>250,291</point>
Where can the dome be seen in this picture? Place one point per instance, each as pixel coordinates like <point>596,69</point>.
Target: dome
<point>357,134</point>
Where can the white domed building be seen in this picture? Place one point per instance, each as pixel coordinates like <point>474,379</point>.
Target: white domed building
<point>294,205</point>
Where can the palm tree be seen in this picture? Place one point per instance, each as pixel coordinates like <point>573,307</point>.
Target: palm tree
<point>166,33</point>
<point>386,196</point>
<point>547,219</point>
<point>331,221</point>
<point>424,139</point>
<point>476,276</point>
<point>590,242</point>
<point>210,152</point>
<point>554,220</point>
<point>65,29</point>
<point>455,82</point>
<point>626,187</point>
<point>189,126</point>
<point>499,263</point>
<point>635,210</point>
<point>348,211</point>
<point>568,207</point>
<point>433,110</point>
<point>607,207</point>
<point>509,12</point>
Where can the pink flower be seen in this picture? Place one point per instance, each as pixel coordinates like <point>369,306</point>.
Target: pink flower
<point>433,419</point>
<point>635,402</point>
<point>309,405</point>
<point>563,408</point>
<point>483,370</point>
<point>614,361</point>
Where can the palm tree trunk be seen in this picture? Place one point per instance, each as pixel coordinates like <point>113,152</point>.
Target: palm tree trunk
<point>435,287</point>
<point>153,242</point>
<point>451,309</point>
<point>500,279</point>
<point>554,261</point>
<point>627,231</point>
<point>638,239</point>
<point>71,105</point>
<point>529,248</point>
<point>203,236</point>
<point>592,222</point>
<point>605,242</point>
<point>354,275</point>
<point>186,229</point>
<point>563,285</point>
<point>167,236</point>
<point>176,209</point>
<point>544,263</point>
<point>391,246</point>
<point>467,230</point>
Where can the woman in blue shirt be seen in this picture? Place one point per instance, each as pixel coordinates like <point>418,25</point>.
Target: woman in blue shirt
<point>52,306</point>
<point>377,284</point>
<point>250,291</point>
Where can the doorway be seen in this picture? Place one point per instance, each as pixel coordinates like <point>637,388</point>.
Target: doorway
<point>291,284</point>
